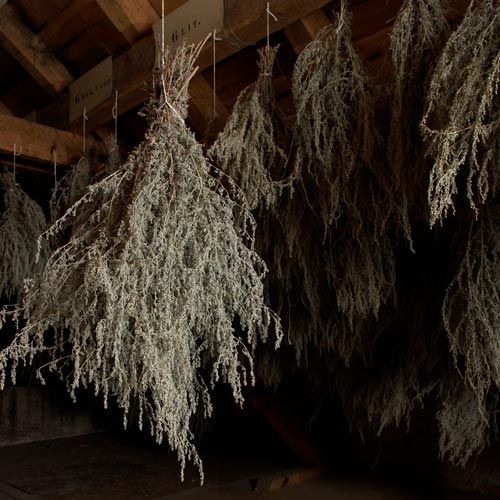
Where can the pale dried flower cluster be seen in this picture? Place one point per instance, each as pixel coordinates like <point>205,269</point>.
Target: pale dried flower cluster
<point>471,316</point>
<point>341,282</point>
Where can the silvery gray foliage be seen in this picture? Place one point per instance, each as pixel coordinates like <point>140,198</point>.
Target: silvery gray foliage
<point>341,182</point>
<point>70,188</point>
<point>464,426</point>
<point>247,149</point>
<point>461,124</point>
<point>417,39</point>
<point>21,224</point>
<point>471,317</point>
<point>158,294</point>
<point>73,185</point>
<point>334,124</point>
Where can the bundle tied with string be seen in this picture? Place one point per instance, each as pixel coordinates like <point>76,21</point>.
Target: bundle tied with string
<point>157,296</point>
<point>419,34</point>
<point>334,126</point>
<point>461,124</point>
<point>346,202</point>
<point>22,221</point>
<point>248,148</point>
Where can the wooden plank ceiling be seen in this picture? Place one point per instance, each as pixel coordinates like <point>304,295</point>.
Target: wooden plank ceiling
<point>44,46</point>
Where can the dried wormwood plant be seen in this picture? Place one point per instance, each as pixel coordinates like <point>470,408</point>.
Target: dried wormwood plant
<point>21,224</point>
<point>75,182</point>
<point>144,298</point>
<point>70,188</point>
<point>417,39</point>
<point>464,427</point>
<point>337,143</point>
<point>471,313</point>
<point>462,115</point>
<point>334,131</point>
<point>247,149</point>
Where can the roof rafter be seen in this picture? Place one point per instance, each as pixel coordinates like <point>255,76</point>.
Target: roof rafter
<point>132,18</point>
<point>63,28</point>
<point>4,110</point>
<point>303,31</point>
<point>169,5</point>
<point>22,43</point>
<point>36,142</point>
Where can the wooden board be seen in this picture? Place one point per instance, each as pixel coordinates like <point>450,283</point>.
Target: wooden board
<point>37,141</point>
<point>22,44</point>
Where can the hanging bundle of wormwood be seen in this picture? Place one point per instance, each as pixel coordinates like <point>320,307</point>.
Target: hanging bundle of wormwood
<point>342,183</point>
<point>461,124</point>
<point>471,315</point>
<point>70,188</point>
<point>419,34</point>
<point>381,364</point>
<point>334,126</point>
<point>73,185</point>
<point>247,149</point>
<point>156,296</point>
<point>21,224</point>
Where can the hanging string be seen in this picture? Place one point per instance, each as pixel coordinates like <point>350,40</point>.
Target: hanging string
<point>54,155</point>
<point>84,118</point>
<point>16,154</point>
<point>269,14</point>
<point>162,33</point>
<point>214,83</point>
<point>115,116</point>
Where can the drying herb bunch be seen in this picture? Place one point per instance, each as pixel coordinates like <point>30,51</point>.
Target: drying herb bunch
<point>471,316</point>
<point>334,125</point>
<point>342,203</point>
<point>248,148</point>
<point>157,296</point>
<point>461,124</point>
<point>21,224</point>
<point>383,363</point>
<point>419,34</point>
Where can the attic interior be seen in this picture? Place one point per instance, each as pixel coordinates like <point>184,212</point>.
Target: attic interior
<point>249,252</point>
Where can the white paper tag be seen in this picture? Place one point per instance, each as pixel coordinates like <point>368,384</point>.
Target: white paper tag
<point>91,90</point>
<point>191,22</point>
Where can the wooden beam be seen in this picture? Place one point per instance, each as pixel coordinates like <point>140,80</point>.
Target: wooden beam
<point>4,110</point>
<point>170,5</point>
<point>315,22</point>
<point>132,18</point>
<point>66,26</point>
<point>36,141</point>
<point>244,21</point>
<point>24,46</point>
<point>303,31</point>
